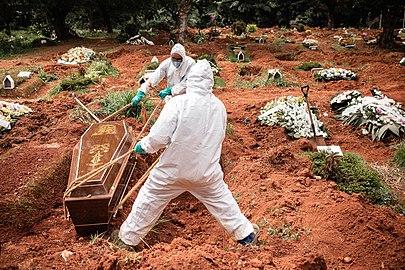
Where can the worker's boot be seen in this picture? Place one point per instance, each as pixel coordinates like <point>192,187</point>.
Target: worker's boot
<point>252,238</point>
<point>116,240</point>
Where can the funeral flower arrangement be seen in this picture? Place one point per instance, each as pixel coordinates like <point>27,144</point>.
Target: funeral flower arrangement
<point>380,115</point>
<point>309,42</point>
<point>334,74</point>
<point>291,113</point>
<point>77,55</point>
<point>341,100</point>
<point>9,112</point>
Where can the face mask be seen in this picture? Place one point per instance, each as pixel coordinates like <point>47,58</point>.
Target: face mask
<point>176,64</point>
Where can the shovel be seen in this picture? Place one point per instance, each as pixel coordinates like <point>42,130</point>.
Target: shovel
<point>319,140</point>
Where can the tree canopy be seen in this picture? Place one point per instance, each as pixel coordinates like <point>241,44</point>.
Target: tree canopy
<point>63,17</point>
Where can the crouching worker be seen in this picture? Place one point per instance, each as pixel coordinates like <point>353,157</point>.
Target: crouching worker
<point>192,127</point>
<point>175,69</point>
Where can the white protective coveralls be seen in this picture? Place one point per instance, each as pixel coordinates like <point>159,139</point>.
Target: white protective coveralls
<point>192,126</point>
<point>176,77</point>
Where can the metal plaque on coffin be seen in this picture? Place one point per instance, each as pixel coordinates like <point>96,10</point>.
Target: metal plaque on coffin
<point>90,205</point>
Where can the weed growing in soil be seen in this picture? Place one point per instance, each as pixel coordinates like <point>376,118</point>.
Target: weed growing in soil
<point>160,221</point>
<point>353,175</point>
<point>229,129</point>
<point>285,231</point>
<point>399,156</point>
<point>94,238</point>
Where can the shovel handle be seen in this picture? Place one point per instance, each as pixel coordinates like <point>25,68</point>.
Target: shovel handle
<point>305,90</point>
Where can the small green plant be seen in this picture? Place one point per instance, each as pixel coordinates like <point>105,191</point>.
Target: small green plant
<point>285,231</point>
<point>94,238</point>
<point>199,37</point>
<point>229,129</point>
<point>160,221</point>
<point>279,41</point>
<point>399,156</point>
<point>353,175</point>
<point>238,28</point>
<point>306,66</point>
<point>219,82</point>
<point>45,77</point>
<point>251,28</point>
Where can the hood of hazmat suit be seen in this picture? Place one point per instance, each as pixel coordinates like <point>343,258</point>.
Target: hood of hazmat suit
<point>192,127</point>
<point>176,77</point>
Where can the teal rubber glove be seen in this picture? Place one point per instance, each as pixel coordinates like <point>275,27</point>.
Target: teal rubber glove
<point>165,92</point>
<point>138,149</point>
<point>136,99</point>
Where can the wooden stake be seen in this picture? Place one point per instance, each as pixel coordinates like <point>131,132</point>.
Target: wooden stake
<point>85,108</point>
<point>117,112</point>
<point>140,182</point>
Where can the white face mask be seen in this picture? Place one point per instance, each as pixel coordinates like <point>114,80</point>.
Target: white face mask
<point>176,64</point>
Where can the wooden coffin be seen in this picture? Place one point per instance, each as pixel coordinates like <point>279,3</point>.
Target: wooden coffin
<point>90,206</point>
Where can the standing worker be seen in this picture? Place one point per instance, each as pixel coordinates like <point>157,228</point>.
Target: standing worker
<point>175,69</point>
<point>192,128</point>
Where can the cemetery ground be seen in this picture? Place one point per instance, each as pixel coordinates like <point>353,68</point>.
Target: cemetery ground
<point>306,222</point>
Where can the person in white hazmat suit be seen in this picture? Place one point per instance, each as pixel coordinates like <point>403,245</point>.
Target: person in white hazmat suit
<point>192,128</point>
<point>175,69</point>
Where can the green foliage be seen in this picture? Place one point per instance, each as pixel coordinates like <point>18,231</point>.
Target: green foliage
<point>229,129</point>
<point>199,37</point>
<point>285,231</point>
<point>208,57</point>
<point>47,78</point>
<point>75,82</point>
<point>160,221</point>
<point>399,156</point>
<point>353,175</point>
<point>233,57</point>
<point>114,101</point>
<point>219,82</point>
<point>306,66</point>
<point>251,28</point>
<point>16,43</point>
<point>100,69</point>
<point>238,28</point>
<point>279,82</point>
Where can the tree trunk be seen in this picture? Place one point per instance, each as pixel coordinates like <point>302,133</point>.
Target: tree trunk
<point>106,16</point>
<point>331,6</point>
<point>389,18</point>
<point>184,9</point>
<point>57,18</point>
<point>331,20</point>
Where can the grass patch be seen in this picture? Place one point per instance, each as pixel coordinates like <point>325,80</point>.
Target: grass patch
<point>219,82</point>
<point>93,74</point>
<point>354,175</point>
<point>399,156</point>
<point>261,79</point>
<point>306,66</point>
<point>233,56</point>
<point>114,101</point>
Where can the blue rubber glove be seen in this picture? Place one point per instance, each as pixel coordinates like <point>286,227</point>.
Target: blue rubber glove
<point>138,149</point>
<point>165,92</point>
<point>136,99</point>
